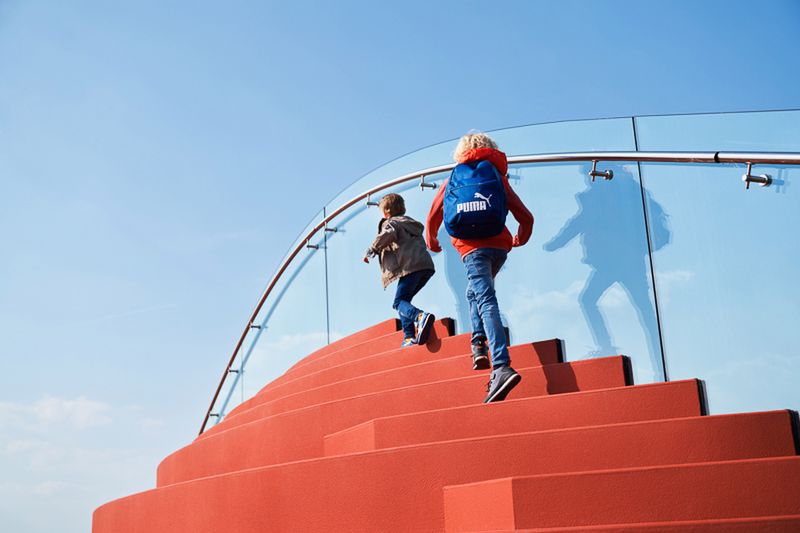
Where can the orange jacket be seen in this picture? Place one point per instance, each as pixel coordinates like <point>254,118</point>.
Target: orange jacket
<point>503,241</point>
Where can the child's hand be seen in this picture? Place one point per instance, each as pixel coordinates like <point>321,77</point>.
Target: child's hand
<point>365,259</point>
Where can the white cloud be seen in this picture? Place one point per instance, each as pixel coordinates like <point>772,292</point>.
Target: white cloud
<point>51,412</point>
<point>51,488</point>
<point>670,280</point>
<point>151,423</point>
<point>281,351</point>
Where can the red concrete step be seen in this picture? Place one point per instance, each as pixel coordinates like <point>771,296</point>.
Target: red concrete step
<point>381,329</point>
<point>402,489</point>
<point>758,524</point>
<point>295,435</point>
<point>442,328</point>
<point>535,354</point>
<point>374,361</point>
<point>675,399</point>
<point>379,346</point>
<point>712,490</point>
<point>273,402</point>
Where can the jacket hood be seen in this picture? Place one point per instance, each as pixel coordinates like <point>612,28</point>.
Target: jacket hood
<point>495,157</point>
<point>412,226</point>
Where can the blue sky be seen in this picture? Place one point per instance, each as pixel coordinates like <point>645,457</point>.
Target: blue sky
<point>157,159</point>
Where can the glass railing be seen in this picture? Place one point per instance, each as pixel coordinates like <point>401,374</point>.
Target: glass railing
<point>674,264</point>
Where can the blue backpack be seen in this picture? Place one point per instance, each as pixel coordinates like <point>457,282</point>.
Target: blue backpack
<point>475,201</point>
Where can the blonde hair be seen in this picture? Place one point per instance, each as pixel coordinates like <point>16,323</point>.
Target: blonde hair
<point>393,204</point>
<point>473,140</point>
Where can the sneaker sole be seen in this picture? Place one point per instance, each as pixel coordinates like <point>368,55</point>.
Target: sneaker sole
<point>425,330</point>
<point>504,389</point>
<point>480,363</point>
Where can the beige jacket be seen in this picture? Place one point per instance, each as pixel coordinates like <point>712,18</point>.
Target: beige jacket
<point>400,247</point>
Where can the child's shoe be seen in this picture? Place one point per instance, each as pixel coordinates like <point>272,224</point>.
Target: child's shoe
<point>502,380</point>
<point>408,341</point>
<point>423,324</point>
<point>480,356</point>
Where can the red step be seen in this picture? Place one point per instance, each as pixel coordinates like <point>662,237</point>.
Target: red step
<point>393,378</point>
<point>675,399</point>
<point>706,491</point>
<point>381,329</point>
<point>441,344</point>
<point>526,355</point>
<point>318,374</point>
<point>402,489</point>
<point>256,441</point>
<point>381,333</point>
<point>442,329</point>
<point>759,524</point>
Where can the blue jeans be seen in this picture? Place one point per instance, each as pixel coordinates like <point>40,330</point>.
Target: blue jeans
<point>407,287</point>
<point>482,266</point>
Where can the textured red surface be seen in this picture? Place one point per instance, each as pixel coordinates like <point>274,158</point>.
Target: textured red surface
<point>259,439</point>
<point>761,524</point>
<point>606,406</point>
<point>731,489</point>
<point>398,426</point>
<point>442,329</point>
<point>386,329</point>
<point>330,384</point>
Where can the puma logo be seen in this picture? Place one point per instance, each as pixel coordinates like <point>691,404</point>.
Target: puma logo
<point>482,197</point>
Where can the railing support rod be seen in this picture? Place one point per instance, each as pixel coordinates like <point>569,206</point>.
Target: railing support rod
<point>769,158</point>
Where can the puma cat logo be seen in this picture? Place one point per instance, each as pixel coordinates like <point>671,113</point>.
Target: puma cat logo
<point>482,197</point>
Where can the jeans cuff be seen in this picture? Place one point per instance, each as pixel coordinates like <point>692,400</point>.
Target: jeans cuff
<point>479,339</point>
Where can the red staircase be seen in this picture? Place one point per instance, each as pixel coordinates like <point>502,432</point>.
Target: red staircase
<point>364,436</point>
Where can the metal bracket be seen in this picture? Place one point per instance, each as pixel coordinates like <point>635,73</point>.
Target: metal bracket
<point>213,414</point>
<point>233,371</point>
<point>423,185</point>
<point>255,326</point>
<point>764,179</point>
<point>369,202</point>
<point>607,175</point>
<point>312,246</point>
<point>331,230</point>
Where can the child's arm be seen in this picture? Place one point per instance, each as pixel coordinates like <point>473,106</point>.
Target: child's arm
<point>385,238</point>
<point>435,217</point>
<point>521,213</point>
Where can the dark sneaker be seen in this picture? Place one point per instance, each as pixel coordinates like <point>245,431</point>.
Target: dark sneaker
<point>424,323</point>
<point>502,380</point>
<point>408,341</point>
<point>480,356</point>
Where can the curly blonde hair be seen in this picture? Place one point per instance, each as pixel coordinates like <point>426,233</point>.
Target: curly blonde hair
<point>473,140</point>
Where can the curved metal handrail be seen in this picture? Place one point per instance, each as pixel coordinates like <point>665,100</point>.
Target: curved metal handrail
<point>774,158</point>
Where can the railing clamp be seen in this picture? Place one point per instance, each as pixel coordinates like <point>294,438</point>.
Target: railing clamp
<point>213,415</point>
<point>607,175</point>
<point>331,230</point>
<point>255,326</point>
<point>312,246</point>
<point>233,370</point>
<point>764,180</point>
<point>423,185</point>
<point>370,202</point>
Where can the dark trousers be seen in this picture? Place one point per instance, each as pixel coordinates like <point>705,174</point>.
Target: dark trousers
<point>407,287</point>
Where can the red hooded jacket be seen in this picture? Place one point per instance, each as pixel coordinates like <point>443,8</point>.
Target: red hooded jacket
<point>503,241</point>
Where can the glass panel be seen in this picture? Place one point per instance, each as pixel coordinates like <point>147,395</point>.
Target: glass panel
<point>575,136</point>
<point>357,298</point>
<point>763,131</point>
<point>726,276</point>
<point>584,277</point>
<point>293,324</point>
<point>590,286</point>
